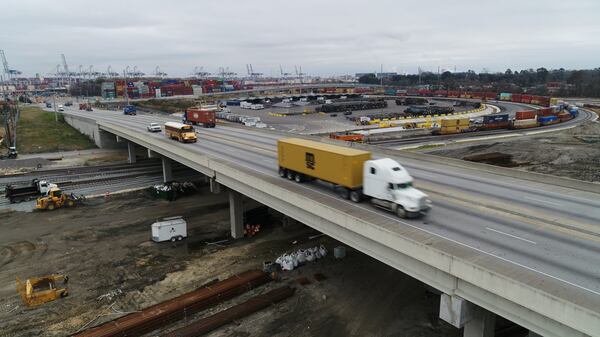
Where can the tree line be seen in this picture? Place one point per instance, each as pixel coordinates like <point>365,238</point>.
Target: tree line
<point>572,83</point>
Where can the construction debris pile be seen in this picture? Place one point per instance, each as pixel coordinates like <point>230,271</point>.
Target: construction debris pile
<point>301,256</point>
<point>173,190</point>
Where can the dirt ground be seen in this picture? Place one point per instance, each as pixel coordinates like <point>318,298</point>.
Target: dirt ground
<point>573,153</point>
<point>105,249</point>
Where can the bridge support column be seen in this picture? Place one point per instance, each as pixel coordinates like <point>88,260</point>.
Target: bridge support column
<point>236,214</point>
<point>482,324</point>
<point>152,154</point>
<point>167,170</point>
<point>130,152</point>
<point>215,187</point>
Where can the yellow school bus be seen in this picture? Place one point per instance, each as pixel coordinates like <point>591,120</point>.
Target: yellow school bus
<point>181,132</point>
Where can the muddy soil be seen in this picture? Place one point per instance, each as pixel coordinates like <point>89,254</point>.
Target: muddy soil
<point>573,153</point>
<point>114,268</point>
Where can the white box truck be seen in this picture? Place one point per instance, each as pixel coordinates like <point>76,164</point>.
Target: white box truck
<point>169,229</point>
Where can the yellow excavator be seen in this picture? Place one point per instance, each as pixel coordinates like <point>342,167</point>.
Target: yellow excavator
<point>39,290</point>
<point>57,199</point>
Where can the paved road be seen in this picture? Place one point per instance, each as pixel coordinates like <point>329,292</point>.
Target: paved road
<point>554,231</point>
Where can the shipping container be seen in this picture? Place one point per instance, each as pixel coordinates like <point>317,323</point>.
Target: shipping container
<point>454,94</point>
<point>548,120</point>
<point>497,118</point>
<point>525,123</point>
<point>546,112</point>
<point>490,95</point>
<point>565,116</point>
<point>516,98</point>
<point>544,101</point>
<point>204,115</point>
<point>526,99</point>
<point>454,122</point>
<point>529,114</point>
<point>505,96</point>
<point>335,164</point>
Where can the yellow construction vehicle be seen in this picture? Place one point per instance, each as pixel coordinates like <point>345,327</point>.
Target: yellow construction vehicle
<point>56,199</point>
<point>39,290</point>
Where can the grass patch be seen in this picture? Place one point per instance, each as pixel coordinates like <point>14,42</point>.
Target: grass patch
<point>37,132</point>
<point>168,105</point>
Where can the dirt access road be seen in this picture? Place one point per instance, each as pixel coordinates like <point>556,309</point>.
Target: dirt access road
<point>104,247</point>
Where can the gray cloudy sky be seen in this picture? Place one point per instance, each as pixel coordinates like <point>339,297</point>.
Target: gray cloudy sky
<point>325,37</point>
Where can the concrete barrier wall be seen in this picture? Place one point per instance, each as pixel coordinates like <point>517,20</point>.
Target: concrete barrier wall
<point>89,127</point>
<point>525,297</point>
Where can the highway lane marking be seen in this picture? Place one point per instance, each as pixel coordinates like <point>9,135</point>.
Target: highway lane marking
<point>512,236</point>
<point>428,232</point>
<point>544,201</point>
<point>441,236</point>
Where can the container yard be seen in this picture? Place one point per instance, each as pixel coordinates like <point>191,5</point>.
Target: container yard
<point>192,169</point>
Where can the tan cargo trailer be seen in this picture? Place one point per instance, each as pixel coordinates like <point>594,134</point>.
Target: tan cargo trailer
<point>300,158</point>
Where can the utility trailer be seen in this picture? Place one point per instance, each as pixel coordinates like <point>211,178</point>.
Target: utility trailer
<point>169,229</point>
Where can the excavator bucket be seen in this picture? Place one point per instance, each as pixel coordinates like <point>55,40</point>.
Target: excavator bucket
<point>40,290</point>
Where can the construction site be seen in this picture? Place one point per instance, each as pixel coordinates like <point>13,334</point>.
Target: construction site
<point>115,270</point>
<point>192,169</point>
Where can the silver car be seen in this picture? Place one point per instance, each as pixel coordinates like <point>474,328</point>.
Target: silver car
<point>154,127</point>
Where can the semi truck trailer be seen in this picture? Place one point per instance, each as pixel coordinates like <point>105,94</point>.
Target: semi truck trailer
<point>354,175</point>
<point>204,115</point>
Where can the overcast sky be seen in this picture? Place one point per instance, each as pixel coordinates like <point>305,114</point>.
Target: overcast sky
<point>324,37</point>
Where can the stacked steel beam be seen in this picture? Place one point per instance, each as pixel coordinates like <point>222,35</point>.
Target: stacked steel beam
<point>226,316</point>
<point>179,307</point>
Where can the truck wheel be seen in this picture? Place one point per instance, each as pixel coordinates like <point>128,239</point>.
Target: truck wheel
<point>298,178</point>
<point>70,203</point>
<point>173,239</point>
<point>344,193</point>
<point>179,238</point>
<point>290,174</point>
<point>400,212</point>
<point>282,172</point>
<point>355,196</point>
<point>50,206</point>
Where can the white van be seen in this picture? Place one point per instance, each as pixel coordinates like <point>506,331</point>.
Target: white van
<point>169,229</point>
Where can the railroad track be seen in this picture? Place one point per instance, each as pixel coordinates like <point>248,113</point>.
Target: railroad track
<point>584,117</point>
<point>112,178</point>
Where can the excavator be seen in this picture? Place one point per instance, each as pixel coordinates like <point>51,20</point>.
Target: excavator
<point>57,199</point>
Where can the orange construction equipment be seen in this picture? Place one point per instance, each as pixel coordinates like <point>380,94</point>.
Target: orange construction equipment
<point>39,290</point>
<point>57,199</point>
<point>349,137</point>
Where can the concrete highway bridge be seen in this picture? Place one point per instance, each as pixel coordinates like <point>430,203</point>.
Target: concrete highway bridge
<point>498,241</point>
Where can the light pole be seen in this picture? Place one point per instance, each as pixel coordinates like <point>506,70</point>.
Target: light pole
<point>125,87</point>
<point>55,111</point>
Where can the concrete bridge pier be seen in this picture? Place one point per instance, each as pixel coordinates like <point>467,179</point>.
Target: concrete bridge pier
<point>130,152</point>
<point>482,324</point>
<point>167,169</point>
<point>236,214</point>
<point>476,321</point>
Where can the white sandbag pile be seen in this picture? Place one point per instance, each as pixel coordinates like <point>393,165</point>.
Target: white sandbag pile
<point>300,257</point>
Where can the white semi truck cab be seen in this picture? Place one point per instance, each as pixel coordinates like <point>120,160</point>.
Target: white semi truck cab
<point>389,186</point>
